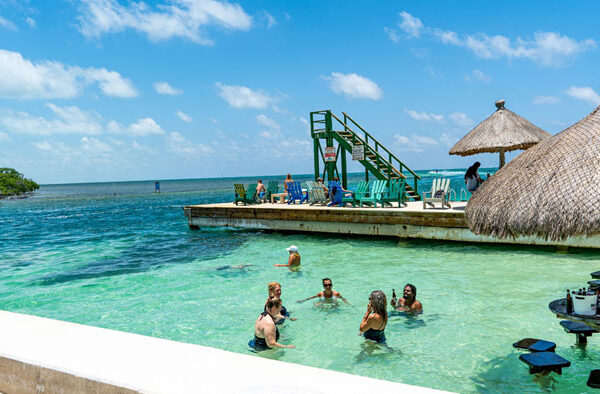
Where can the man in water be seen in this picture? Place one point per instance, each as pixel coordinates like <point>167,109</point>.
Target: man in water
<point>328,293</point>
<point>409,302</point>
<point>237,267</point>
<point>293,260</point>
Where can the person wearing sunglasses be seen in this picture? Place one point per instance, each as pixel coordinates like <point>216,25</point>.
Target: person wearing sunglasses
<point>266,333</point>
<point>373,323</point>
<point>328,293</point>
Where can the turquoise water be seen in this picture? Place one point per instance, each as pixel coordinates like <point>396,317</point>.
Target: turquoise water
<point>116,255</point>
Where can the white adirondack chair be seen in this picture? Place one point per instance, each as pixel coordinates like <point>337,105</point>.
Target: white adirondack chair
<point>439,193</point>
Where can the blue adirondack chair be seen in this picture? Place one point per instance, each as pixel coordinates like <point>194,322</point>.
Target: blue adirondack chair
<point>296,194</point>
<point>336,193</point>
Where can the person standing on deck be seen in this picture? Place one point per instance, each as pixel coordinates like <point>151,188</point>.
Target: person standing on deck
<point>260,189</point>
<point>294,259</point>
<point>472,179</point>
<point>328,293</point>
<point>409,302</point>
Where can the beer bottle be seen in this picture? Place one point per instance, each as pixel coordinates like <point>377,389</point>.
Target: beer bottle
<point>394,296</point>
<point>569,302</point>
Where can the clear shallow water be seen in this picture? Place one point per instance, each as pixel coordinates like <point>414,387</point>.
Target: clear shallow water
<point>128,261</point>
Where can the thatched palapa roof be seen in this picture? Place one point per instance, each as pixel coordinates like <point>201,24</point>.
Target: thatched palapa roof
<point>550,191</point>
<point>502,131</point>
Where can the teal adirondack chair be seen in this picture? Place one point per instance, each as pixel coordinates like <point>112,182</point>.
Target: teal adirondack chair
<point>245,196</point>
<point>361,189</point>
<point>272,188</point>
<point>396,193</point>
<point>376,192</point>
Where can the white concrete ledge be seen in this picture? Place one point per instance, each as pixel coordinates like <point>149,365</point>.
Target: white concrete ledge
<point>44,355</point>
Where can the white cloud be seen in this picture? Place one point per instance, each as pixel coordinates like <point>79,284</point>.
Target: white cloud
<point>479,75</point>
<point>546,100</point>
<point>185,19</point>
<point>4,137</point>
<point>22,79</point>
<point>144,127</point>
<point>69,120</point>
<point>414,143</point>
<point>354,86</point>
<point>424,115</point>
<point>183,116</point>
<point>43,145</point>
<point>461,119</point>
<point>584,93</point>
<point>269,134</point>
<point>30,22</point>
<point>5,23</point>
<point>165,88</point>
<point>180,145</point>
<point>92,144</point>
<point>410,25</point>
<point>243,97</point>
<point>392,34</point>
<point>545,48</point>
<point>270,20</point>
<point>266,121</point>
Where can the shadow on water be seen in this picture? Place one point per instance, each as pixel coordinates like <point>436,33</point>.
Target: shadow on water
<point>372,351</point>
<point>411,320</point>
<point>142,257</point>
<point>508,374</point>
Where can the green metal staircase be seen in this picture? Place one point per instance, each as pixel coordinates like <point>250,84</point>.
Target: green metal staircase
<point>378,160</point>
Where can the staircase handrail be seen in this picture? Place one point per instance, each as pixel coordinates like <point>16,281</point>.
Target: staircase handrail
<point>364,143</point>
<point>377,143</point>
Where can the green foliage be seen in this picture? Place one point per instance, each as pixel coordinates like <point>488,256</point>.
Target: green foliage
<point>13,183</point>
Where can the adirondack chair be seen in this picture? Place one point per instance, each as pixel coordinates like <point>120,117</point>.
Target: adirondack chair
<point>396,193</point>
<point>336,193</point>
<point>439,193</point>
<point>319,194</point>
<point>376,192</point>
<point>296,194</point>
<point>245,196</point>
<point>361,189</point>
<point>272,188</point>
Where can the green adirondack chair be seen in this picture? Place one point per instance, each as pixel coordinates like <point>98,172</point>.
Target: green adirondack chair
<point>316,193</point>
<point>272,188</point>
<point>245,196</point>
<point>361,189</point>
<point>396,193</point>
<point>375,194</point>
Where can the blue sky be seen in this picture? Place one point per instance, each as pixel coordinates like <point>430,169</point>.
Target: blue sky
<point>108,90</point>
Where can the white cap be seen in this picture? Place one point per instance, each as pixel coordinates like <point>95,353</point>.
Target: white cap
<point>292,248</point>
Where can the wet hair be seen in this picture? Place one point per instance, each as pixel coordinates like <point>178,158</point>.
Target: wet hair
<point>413,289</point>
<point>273,302</point>
<point>471,171</point>
<point>272,286</point>
<point>324,279</point>
<point>379,304</point>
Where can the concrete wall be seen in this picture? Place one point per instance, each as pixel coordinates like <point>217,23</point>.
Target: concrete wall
<point>39,355</point>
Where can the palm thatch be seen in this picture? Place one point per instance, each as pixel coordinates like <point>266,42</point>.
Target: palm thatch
<point>503,131</point>
<point>549,191</point>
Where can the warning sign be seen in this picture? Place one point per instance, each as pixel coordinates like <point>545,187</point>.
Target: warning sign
<point>329,153</point>
<point>358,152</point>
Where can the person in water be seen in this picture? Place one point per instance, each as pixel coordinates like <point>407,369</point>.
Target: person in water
<point>232,267</point>
<point>328,293</point>
<point>275,291</point>
<point>373,323</point>
<point>266,333</point>
<point>294,259</point>
<point>472,179</point>
<point>409,302</point>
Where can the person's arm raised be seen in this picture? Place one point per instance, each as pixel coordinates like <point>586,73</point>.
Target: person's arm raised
<point>310,298</point>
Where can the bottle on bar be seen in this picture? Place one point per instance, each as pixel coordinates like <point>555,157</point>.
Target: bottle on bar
<point>569,302</point>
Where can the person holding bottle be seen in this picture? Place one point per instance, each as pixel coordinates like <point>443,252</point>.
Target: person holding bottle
<point>409,302</point>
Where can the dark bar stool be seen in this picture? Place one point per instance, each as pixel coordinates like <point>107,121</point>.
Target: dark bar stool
<point>581,331</point>
<point>594,379</point>
<point>535,345</point>
<point>544,362</point>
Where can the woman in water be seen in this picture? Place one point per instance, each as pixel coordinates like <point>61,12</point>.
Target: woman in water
<point>275,291</point>
<point>266,333</point>
<point>375,319</point>
<point>472,178</point>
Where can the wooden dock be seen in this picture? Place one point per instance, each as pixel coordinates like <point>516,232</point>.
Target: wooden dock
<point>409,222</point>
